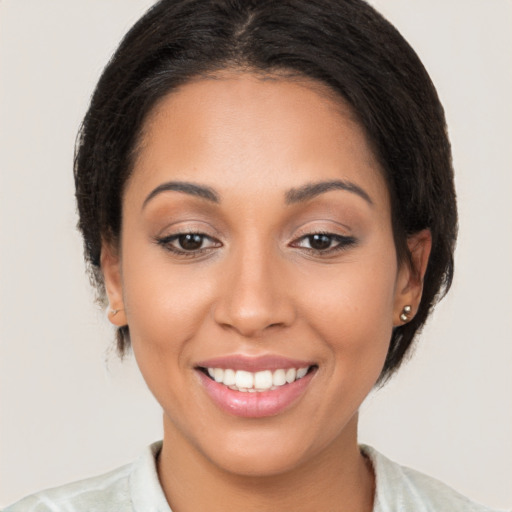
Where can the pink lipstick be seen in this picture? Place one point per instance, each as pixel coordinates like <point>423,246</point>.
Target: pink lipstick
<point>255,387</point>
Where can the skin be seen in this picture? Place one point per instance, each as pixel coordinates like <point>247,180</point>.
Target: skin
<point>257,288</point>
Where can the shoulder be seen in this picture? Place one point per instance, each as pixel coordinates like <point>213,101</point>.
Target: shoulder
<point>89,494</point>
<point>399,488</point>
<point>84,495</point>
<point>130,487</point>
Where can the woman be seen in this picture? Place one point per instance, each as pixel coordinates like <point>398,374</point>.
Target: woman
<point>266,199</point>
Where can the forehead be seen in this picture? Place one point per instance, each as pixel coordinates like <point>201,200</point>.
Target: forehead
<point>244,129</point>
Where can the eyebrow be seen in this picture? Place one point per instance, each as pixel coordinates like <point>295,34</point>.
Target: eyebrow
<point>186,188</point>
<point>311,190</point>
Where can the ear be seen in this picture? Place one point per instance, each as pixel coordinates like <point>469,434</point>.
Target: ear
<point>111,268</point>
<point>410,276</point>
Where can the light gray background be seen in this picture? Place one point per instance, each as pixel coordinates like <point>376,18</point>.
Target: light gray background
<point>69,409</point>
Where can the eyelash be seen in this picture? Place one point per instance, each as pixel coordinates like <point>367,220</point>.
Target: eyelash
<point>342,243</point>
<point>166,243</point>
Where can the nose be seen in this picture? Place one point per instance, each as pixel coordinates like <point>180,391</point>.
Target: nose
<point>254,296</point>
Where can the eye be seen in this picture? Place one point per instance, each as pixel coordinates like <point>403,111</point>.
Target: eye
<point>324,242</point>
<point>190,241</point>
<point>188,244</point>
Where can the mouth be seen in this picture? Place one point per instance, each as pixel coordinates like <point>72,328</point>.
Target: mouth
<point>255,387</point>
<point>256,382</point>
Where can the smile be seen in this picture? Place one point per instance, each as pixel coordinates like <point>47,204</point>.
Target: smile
<point>255,387</point>
<point>245,381</point>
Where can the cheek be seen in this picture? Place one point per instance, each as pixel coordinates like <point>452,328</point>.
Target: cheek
<point>351,310</point>
<point>356,297</point>
<point>165,307</point>
<point>165,304</point>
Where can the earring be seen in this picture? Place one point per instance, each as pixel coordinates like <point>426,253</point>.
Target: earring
<point>115,311</point>
<point>405,313</point>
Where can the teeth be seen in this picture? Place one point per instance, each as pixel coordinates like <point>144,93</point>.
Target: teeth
<point>263,380</point>
<point>279,378</point>
<point>229,377</point>
<point>301,372</point>
<point>291,373</point>
<point>244,379</point>
<point>241,380</point>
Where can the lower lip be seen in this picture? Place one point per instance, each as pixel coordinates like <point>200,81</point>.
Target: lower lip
<point>258,404</point>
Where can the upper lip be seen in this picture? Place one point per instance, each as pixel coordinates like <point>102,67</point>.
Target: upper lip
<point>253,363</point>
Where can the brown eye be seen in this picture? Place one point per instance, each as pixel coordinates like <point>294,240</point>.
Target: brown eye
<point>320,242</point>
<point>190,241</point>
<point>188,244</point>
<point>324,243</point>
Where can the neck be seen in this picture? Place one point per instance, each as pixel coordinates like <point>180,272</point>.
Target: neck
<point>338,478</point>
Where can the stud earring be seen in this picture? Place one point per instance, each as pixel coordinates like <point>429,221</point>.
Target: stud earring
<point>405,313</point>
<point>115,311</point>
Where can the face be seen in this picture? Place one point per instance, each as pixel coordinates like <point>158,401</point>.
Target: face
<point>257,270</point>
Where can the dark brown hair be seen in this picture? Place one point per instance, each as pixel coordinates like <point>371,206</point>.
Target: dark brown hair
<point>345,44</point>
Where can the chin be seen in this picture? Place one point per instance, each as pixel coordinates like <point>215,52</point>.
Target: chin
<point>257,461</point>
<point>269,448</point>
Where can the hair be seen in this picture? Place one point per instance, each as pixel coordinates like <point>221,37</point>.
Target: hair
<point>344,44</point>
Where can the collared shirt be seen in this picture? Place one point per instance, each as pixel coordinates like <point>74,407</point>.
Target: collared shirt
<point>136,488</point>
